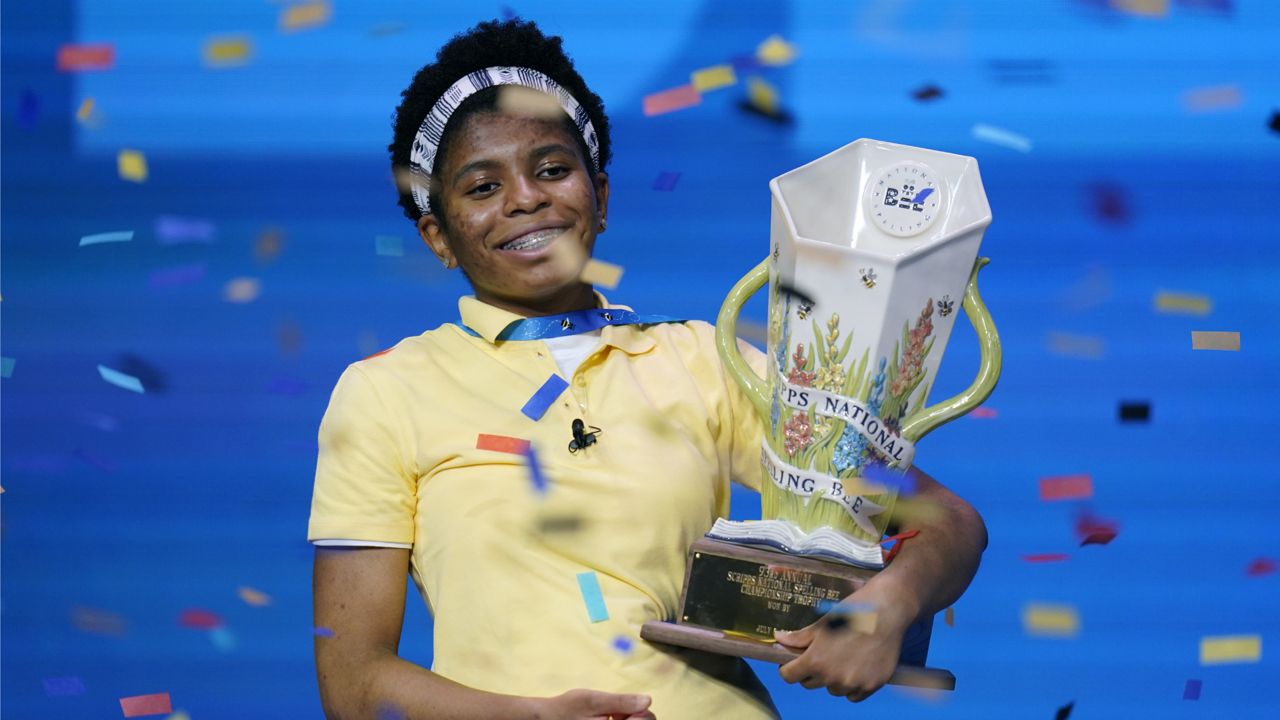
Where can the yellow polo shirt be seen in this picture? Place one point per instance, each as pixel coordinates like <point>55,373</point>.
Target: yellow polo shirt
<point>497,561</point>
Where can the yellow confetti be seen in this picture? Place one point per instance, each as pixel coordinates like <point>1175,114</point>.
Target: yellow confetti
<point>520,100</point>
<point>268,245</point>
<point>302,16</point>
<point>598,272</point>
<point>775,51</point>
<point>713,78</point>
<point>180,715</point>
<point>242,290</point>
<point>1222,649</point>
<point>1213,340</point>
<point>227,51</point>
<point>762,95</point>
<point>1153,8</point>
<point>86,110</point>
<point>1180,303</point>
<point>950,617</point>
<point>132,166</point>
<point>256,598</point>
<point>1046,620</point>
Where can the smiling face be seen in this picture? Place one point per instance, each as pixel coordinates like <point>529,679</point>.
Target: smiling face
<point>521,211</point>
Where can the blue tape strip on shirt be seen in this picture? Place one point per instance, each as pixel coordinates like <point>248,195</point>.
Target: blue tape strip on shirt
<point>544,397</point>
<point>572,323</point>
<point>589,584</point>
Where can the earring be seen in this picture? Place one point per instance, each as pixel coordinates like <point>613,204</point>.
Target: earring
<point>603,224</point>
<point>448,263</point>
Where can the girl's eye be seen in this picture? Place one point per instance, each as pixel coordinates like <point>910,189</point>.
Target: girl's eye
<point>555,171</point>
<point>483,188</point>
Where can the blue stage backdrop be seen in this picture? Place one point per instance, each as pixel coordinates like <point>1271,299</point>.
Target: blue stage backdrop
<point>154,541</point>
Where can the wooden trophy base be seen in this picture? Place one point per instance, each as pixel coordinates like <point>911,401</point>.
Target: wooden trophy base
<point>735,596</point>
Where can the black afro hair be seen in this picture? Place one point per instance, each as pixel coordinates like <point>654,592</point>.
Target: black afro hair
<point>515,43</point>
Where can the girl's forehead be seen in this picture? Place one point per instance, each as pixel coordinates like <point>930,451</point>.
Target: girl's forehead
<point>503,132</point>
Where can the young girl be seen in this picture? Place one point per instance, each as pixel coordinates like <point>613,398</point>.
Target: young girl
<point>469,458</point>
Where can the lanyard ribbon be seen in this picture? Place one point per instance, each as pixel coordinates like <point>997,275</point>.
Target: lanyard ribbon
<point>572,323</point>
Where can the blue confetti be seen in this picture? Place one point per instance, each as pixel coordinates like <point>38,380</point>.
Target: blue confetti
<point>120,380</point>
<point>223,639</point>
<point>589,584</point>
<point>388,245</point>
<point>322,632</point>
<point>538,405</point>
<point>28,109</point>
<point>63,686</point>
<point>666,181</point>
<point>6,366</point>
<point>535,469</point>
<point>622,644</point>
<point>1192,690</point>
<point>107,237</point>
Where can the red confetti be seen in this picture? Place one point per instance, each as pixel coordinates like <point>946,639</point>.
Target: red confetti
<point>73,58</point>
<point>1261,566</point>
<point>1046,557</point>
<point>139,705</point>
<point>199,619</point>
<point>677,98</point>
<point>1095,531</point>
<point>1066,487</point>
<point>984,413</point>
<point>502,443</point>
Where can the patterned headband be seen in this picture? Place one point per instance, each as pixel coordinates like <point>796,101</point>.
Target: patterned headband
<point>427,142</point>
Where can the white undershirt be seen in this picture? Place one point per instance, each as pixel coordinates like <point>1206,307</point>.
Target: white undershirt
<point>568,352</point>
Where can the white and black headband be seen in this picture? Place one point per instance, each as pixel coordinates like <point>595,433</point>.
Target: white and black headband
<point>426,143</point>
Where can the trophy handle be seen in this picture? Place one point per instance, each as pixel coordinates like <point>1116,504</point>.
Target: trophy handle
<point>753,385</point>
<point>923,422</point>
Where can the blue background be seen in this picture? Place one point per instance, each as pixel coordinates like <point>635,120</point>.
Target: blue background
<point>144,505</point>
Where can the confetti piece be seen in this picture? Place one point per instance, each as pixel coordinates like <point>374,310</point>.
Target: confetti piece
<point>388,245</point>
<point>1016,71</point>
<point>1192,690</point>
<point>1148,8</point>
<point>241,290</point>
<point>322,632</point>
<point>1064,712</point>
<point>543,398</point>
<point>775,51</point>
<point>199,619</point>
<point>98,622</point>
<point>598,272</point>
<point>28,109</point>
<point>927,93</point>
<point>622,644</point>
<point>1212,99</point>
<point>1066,487</point>
<point>713,78</point>
<point>387,711</point>
<point>1002,137</point>
<point>6,366</point>
<point>861,616</point>
<point>762,95</point>
<point>1182,304</point>
<point>304,16</point>
<point>949,617</point>
<point>174,230</point>
<point>63,686</point>
<point>86,109</point>
<point>223,639</point>
<point>753,332</point>
<point>536,475</point>
<point>227,51</point>
<point>1046,557</point>
<point>1110,203</point>
<point>877,474</point>
<point>78,58</point>
<point>268,245</point>
<point>502,443</point>
<point>984,413</point>
<point>150,376</point>
<point>1135,412</point>
<point>666,181</point>
<point>180,715</point>
<point>1274,124</point>
<point>120,380</point>
<point>560,524</point>
<point>176,275</point>
<point>289,337</point>
<point>387,28</point>
<point>677,98</point>
<point>132,166</point>
<point>1261,566</point>
<point>1043,620</point>
<point>1213,340</point>
<point>256,598</point>
<point>1085,347</point>
<point>1225,649</point>
<point>589,585</point>
<point>140,705</point>
<point>107,237</point>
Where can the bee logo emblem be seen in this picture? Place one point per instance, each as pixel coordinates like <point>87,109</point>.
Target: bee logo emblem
<point>946,305</point>
<point>868,277</point>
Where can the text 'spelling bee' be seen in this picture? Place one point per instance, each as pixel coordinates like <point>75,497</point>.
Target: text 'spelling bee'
<point>946,305</point>
<point>868,277</point>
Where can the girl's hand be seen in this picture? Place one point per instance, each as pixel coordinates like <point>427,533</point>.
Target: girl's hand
<point>585,704</point>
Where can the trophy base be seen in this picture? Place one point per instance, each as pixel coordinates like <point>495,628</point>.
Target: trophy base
<point>735,596</point>
<point>715,641</point>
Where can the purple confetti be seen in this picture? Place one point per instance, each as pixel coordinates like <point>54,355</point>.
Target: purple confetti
<point>176,275</point>
<point>28,109</point>
<point>743,63</point>
<point>666,181</point>
<point>622,644</point>
<point>63,686</point>
<point>1192,691</point>
<point>172,230</point>
<point>322,632</point>
<point>285,385</point>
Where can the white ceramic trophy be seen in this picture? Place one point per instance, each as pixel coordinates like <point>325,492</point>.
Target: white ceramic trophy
<point>874,248</point>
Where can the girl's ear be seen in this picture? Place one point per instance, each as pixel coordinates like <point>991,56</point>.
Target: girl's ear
<point>436,239</point>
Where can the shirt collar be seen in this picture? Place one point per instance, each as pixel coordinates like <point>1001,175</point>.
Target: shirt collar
<point>489,321</point>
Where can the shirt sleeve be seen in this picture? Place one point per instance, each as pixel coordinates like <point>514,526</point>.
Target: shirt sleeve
<point>363,488</point>
<point>748,427</point>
